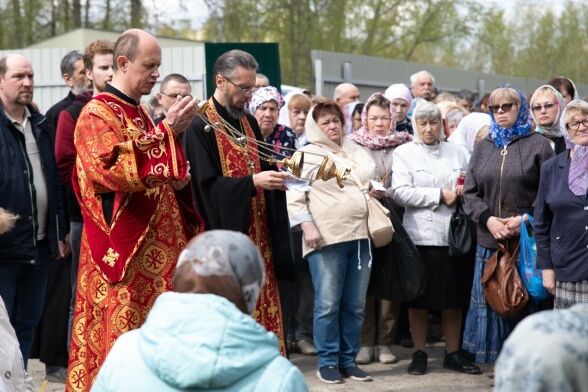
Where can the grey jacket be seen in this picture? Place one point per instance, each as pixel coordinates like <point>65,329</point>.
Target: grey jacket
<point>520,181</point>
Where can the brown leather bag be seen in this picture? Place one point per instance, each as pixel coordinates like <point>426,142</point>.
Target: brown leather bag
<point>503,288</point>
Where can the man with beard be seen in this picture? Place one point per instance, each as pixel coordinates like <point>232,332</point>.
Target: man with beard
<point>29,190</point>
<point>234,189</point>
<point>74,76</point>
<point>130,179</point>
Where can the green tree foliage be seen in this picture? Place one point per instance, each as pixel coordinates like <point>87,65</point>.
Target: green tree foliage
<point>530,41</point>
<point>25,22</point>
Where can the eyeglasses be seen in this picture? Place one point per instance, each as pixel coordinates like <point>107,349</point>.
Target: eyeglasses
<point>505,107</point>
<point>175,95</point>
<point>244,91</point>
<point>538,108</point>
<point>575,125</point>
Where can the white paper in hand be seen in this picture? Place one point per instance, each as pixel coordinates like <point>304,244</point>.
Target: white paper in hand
<point>297,184</point>
<point>377,186</point>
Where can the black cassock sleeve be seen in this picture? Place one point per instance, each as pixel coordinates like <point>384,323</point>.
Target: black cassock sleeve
<point>224,202</point>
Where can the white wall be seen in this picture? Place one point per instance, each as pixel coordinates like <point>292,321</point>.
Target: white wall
<point>50,88</point>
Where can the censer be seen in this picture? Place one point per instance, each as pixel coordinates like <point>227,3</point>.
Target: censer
<point>327,168</point>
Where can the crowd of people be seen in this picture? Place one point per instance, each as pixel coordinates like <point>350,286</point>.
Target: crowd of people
<point>178,247</point>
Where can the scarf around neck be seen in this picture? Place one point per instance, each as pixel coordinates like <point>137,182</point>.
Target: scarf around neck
<point>553,130</point>
<point>375,142</point>
<point>522,126</point>
<point>578,176</point>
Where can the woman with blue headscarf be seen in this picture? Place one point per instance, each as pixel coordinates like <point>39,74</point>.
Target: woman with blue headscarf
<point>500,188</point>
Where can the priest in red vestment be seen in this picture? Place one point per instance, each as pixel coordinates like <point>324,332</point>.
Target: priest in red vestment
<point>130,180</point>
<point>233,187</point>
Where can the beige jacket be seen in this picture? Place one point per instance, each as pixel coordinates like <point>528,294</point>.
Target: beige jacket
<point>339,214</point>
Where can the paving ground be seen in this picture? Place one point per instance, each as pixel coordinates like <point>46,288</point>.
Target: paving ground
<point>386,377</point>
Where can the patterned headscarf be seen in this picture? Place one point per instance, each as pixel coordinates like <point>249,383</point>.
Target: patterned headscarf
<point>262,95</point>
<point>522,126</point>
<point>554,130</point>
<point>228,263</point>
<point>578,177</point>
<point>376,142</point>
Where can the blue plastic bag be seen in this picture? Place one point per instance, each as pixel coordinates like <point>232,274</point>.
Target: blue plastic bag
<point>527,263</point>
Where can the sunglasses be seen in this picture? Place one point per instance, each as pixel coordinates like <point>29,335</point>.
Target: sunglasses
<point>538,108</point>
<point>505,107</point>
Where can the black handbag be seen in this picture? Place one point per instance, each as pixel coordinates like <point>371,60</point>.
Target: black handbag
<point>462,232</point>
<point>398,271</point>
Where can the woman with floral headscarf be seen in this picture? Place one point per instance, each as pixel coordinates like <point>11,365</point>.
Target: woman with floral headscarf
<point>378,137</point>
<point>500,189</point>
<point>561,223</point>
<point>265,106</point>
<point>547,105</point>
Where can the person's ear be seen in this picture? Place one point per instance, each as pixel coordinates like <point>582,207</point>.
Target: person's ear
<point>67,79</point>
<point>219,81</point>
<point>122,63</point>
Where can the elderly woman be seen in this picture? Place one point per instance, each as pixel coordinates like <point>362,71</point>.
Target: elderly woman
<point>401,99</point>
<point>378,137</point>
<point>452,115</point>
<point>352,113</point>
<point>265,106</point>
<point>500,187</point>
<point>201,337</point>
<point>470,130</point>
<point>547,105</point>
<point>424,181</point>
<point>336,244</point>
<point>298,107</point>
<point>561,227</point>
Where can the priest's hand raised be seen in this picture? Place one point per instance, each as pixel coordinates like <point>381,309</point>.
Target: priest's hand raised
<point>270,179</point>
<point>180,114</point>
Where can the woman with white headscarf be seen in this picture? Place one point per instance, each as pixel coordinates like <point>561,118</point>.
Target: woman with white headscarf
<point>561,227</point>
<point>401,98</point>
<point>424,181</point>
<point>470,129</point>
<point>547,105</point>
<point>202,336</point>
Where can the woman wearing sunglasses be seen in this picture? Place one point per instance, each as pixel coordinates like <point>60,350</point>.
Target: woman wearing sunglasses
<point>547,105</point>
<point>500,188</point>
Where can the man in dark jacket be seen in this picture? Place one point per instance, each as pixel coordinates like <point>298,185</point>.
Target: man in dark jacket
<point>28,180</point>
<point>73,73</point>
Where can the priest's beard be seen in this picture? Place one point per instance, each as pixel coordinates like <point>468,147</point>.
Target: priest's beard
<point>234,112</point>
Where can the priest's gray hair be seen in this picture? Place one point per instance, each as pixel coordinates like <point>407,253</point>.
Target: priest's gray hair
<point>227,63</point>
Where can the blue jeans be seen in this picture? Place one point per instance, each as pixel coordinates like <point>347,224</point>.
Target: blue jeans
<point>23,288</point>
<point>75,234</point>
<point>340,276</point>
